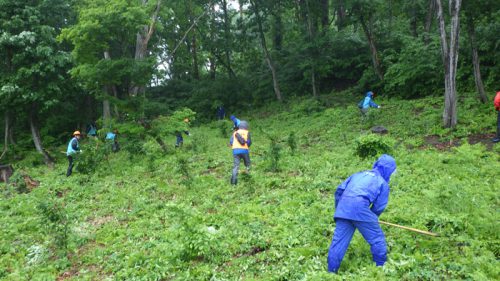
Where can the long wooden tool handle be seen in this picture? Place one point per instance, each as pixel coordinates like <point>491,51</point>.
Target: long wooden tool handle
<point>410,229</point>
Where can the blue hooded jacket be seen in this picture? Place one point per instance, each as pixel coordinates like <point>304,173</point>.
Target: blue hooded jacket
<point>235,120</point>
<point>367,101</point>
<point>355,195</point>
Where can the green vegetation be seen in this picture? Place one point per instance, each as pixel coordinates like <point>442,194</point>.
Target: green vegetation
<point>154,69</point>
<point>154,215</point>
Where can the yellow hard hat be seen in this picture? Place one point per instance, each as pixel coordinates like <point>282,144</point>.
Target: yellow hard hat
<point>186,120</point>
<point>76,133</point>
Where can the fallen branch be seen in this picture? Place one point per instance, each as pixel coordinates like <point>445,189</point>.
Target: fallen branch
<point>410,228</point>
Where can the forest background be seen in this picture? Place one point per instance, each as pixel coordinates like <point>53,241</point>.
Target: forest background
<point>65,64</point>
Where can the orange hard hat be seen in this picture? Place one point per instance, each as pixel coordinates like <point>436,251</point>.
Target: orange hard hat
<point>76,133</point>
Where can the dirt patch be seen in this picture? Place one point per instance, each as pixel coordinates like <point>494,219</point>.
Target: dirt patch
<point>251,252</point>
<point>482,138</point>
<point>97,222</point>
<point>435,141</point>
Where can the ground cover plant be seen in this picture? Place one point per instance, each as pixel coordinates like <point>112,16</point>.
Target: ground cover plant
<point>150,214</point>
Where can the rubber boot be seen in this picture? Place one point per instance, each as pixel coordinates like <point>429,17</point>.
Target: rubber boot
<point>234,181</point>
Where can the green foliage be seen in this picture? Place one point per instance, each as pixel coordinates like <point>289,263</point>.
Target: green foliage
<point>292,142</point>
<point>94,154</point>
<point>175,216</point>
<point>55,219</point>
<point>372,145</point>
<point>167,126</point>
<point>415,71</point>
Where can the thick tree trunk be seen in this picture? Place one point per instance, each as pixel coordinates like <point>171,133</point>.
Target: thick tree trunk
<point>269,60</point>
<point>373,48</point>
<point>325,10</point>
<point>450,57</point>
<point>6,134</point>
<point>475,59</point>
<point>141,45</point>
<point>37,140</point>
<point>227,32</point>
<point>106,112</point>
<point>428,21</point>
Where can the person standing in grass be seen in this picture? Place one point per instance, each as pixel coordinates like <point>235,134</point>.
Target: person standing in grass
<point>73,148</point>
<point>240,143</point>
<point>221,112</point>
<point>113,138</point>
<point>496,103</point>
<point>178,135</point>
<point>359,201</point>
<point>367,102</point>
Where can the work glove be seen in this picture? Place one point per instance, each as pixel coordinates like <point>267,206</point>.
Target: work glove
<point>379,106</point>
<point>81,151</point>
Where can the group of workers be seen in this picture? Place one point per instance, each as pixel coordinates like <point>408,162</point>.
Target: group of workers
<point>359,200</point>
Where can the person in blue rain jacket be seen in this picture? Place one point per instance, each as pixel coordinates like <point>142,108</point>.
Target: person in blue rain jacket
<point>359,201</point>
<point>367,102</point>
<point>221,112</point>
<point>236,122</point>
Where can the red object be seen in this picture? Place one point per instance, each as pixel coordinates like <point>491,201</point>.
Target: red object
<point>497,101</point>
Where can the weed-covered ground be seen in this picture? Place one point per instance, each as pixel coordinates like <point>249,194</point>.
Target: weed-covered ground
<point>151,215</point>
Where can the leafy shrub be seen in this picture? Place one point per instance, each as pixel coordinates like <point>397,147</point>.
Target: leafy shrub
<point>94,153</point>
<point>56,222</point>
<point>307,107</point>
<point>372,145</point>
<point>274,154</point>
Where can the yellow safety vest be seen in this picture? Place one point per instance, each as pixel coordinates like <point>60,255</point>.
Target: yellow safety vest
<point>236,143</point>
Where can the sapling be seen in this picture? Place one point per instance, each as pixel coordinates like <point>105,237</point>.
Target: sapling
<point>292,142</point>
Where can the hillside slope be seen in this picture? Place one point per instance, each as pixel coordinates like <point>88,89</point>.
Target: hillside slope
<point>174,216</point>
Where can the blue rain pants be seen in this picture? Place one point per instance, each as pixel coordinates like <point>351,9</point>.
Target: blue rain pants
<point>342,236</point>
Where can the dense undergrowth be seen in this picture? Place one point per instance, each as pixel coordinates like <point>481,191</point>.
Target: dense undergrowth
<point>172,215</point>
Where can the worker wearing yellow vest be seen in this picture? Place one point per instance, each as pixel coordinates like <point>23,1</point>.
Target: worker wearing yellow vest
<point>240,143</point>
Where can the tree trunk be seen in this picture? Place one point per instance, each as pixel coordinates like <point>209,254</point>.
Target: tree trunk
<point>227,32</point>
<point>106,113</point>
<point>413,19</point>
<point>35,133</point>
<point>6,134</point>
<point>192,45</point>
<point>313,49</point>
<point>213,31</point>
<point>475,59</point>
<point>141,44</point>
<point>109,89</point>
<point>278,31</point>
<point>450,57</point>
<point>428,21</point>
<point>340,14</point>
<point>196,73</point>
<point>269,60</point>
<point>325,9</point>
<point>373,48</point>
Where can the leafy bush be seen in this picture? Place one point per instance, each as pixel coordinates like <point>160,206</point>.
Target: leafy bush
<point>372,145</point>
<point>56,222</point>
